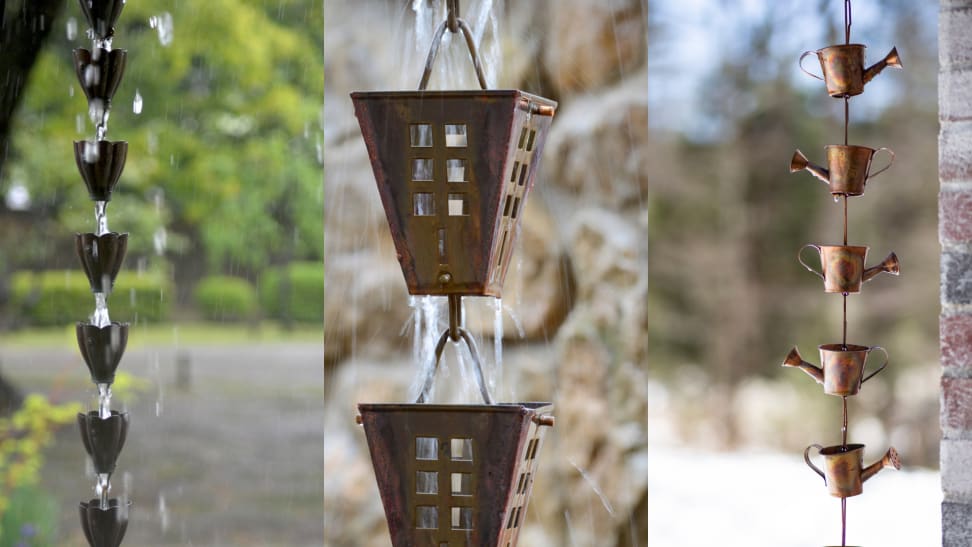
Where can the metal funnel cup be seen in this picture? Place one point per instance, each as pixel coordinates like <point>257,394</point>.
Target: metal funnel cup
<point>104,527</point>
<point>842,267</point>
<point>99,73</point>
<point>103,438</point>
<point>102,15</point>
<point>455,474</point>
<point>101,164</point>
<point>844,472</point>
<point>843,68</point>
<point>102,349</point>
<point>848,167</point>
<point>101,258</point>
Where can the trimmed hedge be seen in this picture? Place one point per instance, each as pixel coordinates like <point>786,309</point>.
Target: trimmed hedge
<point>52,298</point>
<point>225,298</point>
<point>303,299</point>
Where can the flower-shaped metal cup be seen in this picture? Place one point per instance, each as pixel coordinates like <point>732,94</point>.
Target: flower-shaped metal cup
<point>101,258</point>
<point>99,72</point>
<point>103,438</point>
<point>102,349</point>
<point>104,527</point>
<point>101,15</point>
<point>101,164</point>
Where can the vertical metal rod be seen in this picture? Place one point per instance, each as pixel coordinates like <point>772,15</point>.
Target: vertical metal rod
<point>455,316</point>
<point>844,339</point>
<point>843,429</point>
<point>453,21</point>
<point>843,521</point>
<point>845,219</point>
<point>847,21</point>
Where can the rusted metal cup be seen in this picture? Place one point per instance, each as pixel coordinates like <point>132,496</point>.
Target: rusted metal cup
<point>843,268</point>
<point>843,68</point>
<point>844,472</point>
<point>848,167</point>
<point>842,370</point>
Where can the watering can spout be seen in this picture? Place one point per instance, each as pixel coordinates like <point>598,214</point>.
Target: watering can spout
<point>891,59</point>
<point>793,359</point>
<point>890,459</point>
<point>799,162</point>
<point>888,265</point>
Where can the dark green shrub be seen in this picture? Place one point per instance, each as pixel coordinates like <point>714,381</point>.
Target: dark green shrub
<point>56,297</point>
<point>225,298</point>
<point>294,292</point>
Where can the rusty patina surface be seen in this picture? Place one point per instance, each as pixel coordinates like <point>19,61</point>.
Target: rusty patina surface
<point>453,200</point>
<point>457,475</point>
<point>844,472</point>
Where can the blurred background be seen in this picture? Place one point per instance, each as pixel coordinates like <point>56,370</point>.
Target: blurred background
<point>654,293</point>
<point>222,197</point>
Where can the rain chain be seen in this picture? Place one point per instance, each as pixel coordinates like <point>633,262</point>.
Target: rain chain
<point>842,268</point>
<point>454,169</point>
<point>102,341</point>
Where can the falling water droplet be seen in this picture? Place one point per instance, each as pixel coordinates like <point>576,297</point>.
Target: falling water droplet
<point>101,217</point>
<point>836,198</point>
<point>163,25</point>
<point>159,240</point>
<point>104,401</point>
<point>71,91</point>
<point>137,103</point>
<point>100,317</point>
<point>72,28</point>
<point>91,152</point>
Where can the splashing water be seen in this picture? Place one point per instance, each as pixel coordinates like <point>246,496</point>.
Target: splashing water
<point>101,218</point>
<point>163,25</point>
<point>594,486</point>
<point>100,317</point>
<point>102,487</point>
<point>104,401</point>
<point>427,314</point>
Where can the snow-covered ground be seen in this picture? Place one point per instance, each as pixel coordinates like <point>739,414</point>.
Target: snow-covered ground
<point>759,499</point>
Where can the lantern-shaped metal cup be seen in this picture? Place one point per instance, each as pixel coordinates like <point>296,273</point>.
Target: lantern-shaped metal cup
<point>842,267</point>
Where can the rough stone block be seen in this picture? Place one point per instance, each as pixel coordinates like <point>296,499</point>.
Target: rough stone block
<point>955,151</point>
<point>956,277</point>
<point>956,460</point>
<point>954,38</point>
<point>956,407</point>
<point>955,94</point>
<point>956,524</point>
<point>956,342</point>
<point>955,214</point>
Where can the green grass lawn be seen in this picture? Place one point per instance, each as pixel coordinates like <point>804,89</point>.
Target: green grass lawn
<point>193,333</point>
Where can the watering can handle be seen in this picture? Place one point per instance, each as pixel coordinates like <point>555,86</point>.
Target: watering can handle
<point>437,39</point>
<point>805,53</point>
<point>806,458</point>
<point>800,258</point>
<point>880,368</point>
<point>471,344</point>
<point>886,167</point>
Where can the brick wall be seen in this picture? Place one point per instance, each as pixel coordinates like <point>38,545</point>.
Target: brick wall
<point>955,234</point>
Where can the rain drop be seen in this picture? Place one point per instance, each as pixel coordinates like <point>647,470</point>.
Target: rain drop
<point>137,103</point>
<point>72,28</point>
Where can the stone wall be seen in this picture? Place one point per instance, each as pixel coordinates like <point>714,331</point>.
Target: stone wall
<point>955,234</point>
<point>577,286</point>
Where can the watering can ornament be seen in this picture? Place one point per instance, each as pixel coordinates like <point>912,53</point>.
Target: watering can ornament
<point>843,68</point>
<point>842,367</point>
<point>848,167</point>
<point>844,472</point>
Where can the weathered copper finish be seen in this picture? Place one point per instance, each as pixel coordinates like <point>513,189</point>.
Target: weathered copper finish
<point>454,169</point>
<point>99,73</point>
<point>101,258</point>
<point>844,472</point>
<point>457,475</point>
<point>849,167</point>
<point>102,15</point>
<point>103,438</point>
<point>843,267</point>
<point>843,367</point>
<point>102,349</point>
<point>101,164</point>
<point>843,68</point>
<point>104,527</point>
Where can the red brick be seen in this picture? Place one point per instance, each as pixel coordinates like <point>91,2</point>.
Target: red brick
<point>956,406</point>
<point>955,216</point>
<point>956,339</point>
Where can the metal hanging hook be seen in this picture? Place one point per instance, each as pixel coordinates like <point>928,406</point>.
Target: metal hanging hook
<point>456,25</point>
<point>477,365</point>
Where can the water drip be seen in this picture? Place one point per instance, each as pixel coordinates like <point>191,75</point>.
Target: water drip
<point>71,28</point>
<point>101,218</point>
<point>104,401</point>
<point>100,317</point>
<point>137,103</point>
<point>497,375</point>
<point>102,488</point>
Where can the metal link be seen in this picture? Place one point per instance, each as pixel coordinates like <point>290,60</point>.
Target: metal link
<point>437,39</point>
<point>477,364</point>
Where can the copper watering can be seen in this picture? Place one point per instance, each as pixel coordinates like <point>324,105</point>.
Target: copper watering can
<point>848,167</point>
<point>842,370</point>
<point>843,68</point>
<point>842,267</point>
<point>844,472</point>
